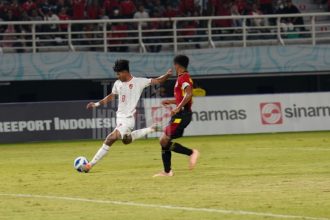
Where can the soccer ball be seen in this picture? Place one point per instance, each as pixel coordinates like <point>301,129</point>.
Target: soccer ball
<point>79,163</point>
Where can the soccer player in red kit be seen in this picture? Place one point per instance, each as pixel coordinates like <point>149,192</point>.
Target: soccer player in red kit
<point>181,117</point>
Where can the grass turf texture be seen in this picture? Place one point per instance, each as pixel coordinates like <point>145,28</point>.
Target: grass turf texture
<point>273,173</point>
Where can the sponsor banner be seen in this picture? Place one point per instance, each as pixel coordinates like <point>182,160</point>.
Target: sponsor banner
<point>57,121</point>
<point>250,113</point>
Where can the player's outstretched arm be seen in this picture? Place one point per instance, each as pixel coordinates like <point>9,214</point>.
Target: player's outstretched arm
<point>104,101</point>
<point>162,78</point>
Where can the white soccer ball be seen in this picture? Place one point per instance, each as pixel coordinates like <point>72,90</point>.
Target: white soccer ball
<point>79,163</point>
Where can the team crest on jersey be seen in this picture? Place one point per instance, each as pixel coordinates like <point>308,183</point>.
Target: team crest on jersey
<point>130,86</point>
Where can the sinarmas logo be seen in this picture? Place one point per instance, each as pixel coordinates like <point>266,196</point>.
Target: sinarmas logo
<point>271,113</point>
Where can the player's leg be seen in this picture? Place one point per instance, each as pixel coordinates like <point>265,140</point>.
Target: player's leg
<point>176,131</point>
<point>192,153</point>
<point>110,140</point>
<point>137,134</point>
<point>123,127</point>
<point>127,135</point>
<point>165,143</point>
<point>168,146</point>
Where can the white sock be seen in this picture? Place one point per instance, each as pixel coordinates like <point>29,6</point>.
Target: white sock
<point>141,133</point>
<point>100,154</point>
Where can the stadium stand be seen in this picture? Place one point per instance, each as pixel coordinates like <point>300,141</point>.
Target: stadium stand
<point>157,34</point>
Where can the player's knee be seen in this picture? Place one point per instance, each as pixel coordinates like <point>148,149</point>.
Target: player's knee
<point>162,142</point>
<point>127,139</point>
<point>109,141</point>
<point>111,138</point>
<point>165,144</point>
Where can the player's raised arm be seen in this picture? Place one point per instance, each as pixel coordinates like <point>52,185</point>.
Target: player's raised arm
<point>162,78</point>
<point>104,101</point>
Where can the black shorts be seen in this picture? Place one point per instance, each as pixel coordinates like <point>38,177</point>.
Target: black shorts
<point>177,124</point>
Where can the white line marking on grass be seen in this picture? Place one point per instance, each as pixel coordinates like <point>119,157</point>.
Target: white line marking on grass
<point>172,207</point>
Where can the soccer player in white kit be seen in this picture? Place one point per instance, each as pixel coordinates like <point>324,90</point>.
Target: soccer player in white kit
<point>128,89</point>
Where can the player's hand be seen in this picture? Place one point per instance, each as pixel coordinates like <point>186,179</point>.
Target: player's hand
<point>175,111</point>
<point>169,72</point>
<point>91,105</point>
<point>166,102</point>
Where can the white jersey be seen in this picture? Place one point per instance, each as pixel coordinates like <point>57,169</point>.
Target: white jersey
<point>129,94</point>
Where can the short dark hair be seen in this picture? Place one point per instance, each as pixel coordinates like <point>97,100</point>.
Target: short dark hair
<point>181,60</point>
<point>121,65</point>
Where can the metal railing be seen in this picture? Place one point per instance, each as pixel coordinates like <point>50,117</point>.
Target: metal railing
<point>168,34</point>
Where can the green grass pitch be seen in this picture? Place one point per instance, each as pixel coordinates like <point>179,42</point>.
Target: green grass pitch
<point>278,174</point>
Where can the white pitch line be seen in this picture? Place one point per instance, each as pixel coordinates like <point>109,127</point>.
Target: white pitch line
<point>172,207</point>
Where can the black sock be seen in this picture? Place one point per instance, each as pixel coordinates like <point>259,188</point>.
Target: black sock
<point>178,148</point>
<point>166,157</point>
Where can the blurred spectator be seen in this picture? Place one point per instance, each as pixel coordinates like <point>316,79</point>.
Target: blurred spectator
<point>28,6</point>
<point>127,8</point>
<point>9,16</point>
<point>63,4</point>
<point>110,6</point>
<point>115,14</point>
<point>187,7</point>
<point>212,7</point>
<point>51,16</point>
<point>16,9</point>
<point>290,8</point>
<point>88,36</point>
<point>3,10</point>
<point>148,5</point>
<point>141,13</point>
<point>286,26</point>
<point>242,7</point>
<point>2,30</point>
<point>257,22</point>
<point>279,7</point>
<point>159,8</point>
<point>234,12</point>
<point>102,14</point>
<point>78,9</point>
<point>36,17</point>
<point>188,35</point>
<point>63,16</point>
<point>8,40</point>
<point>223,10</point>
<point>170,12</point>
<point>93,9</point>
<point>266,6</point>
<point>44,8</point>
<point>118,31</point>
<point>320,3</point>
<point>154,26</point>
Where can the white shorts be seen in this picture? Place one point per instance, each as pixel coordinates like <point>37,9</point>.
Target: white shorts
<point>125,125</point>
